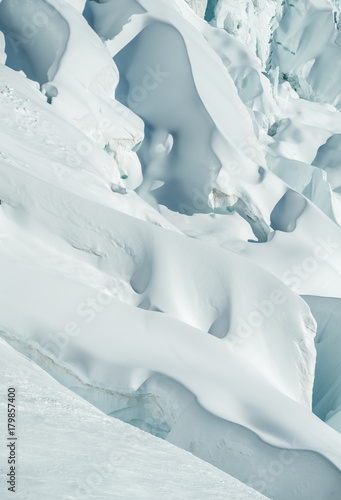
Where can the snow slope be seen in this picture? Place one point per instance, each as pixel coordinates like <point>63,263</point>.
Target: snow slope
<point>163,203</point>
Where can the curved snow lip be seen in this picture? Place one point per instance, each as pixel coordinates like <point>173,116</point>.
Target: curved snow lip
<point>106,26</point>
<point>327,394</point>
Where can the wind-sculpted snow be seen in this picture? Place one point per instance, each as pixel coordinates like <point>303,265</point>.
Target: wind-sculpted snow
<point>163,202</point>
<point>327,159</point>
<point>44,42</point>
<point>199,6</point>
<point>38,56</point>
<point>304,48</point>
<point>72,450</point>
<point>250,21</point>
<point>199,292</point>
<point>236,181</point>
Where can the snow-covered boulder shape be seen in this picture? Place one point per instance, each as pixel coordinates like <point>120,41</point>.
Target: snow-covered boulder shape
<point>305,46</point>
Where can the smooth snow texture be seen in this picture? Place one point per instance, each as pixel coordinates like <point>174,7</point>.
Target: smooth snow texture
<point>199,6</point>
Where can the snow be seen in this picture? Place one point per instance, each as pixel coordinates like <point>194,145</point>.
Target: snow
<point>327,394</point>
<point>68,449</point>
<point>47,49</point>
<point>303,45</point>
<point>252,22</point>
<point>199,6</point>
<point>169,188</point>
